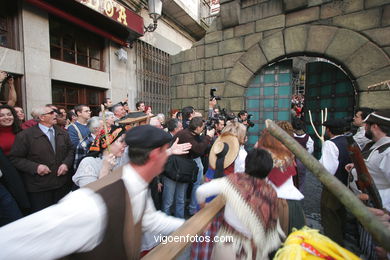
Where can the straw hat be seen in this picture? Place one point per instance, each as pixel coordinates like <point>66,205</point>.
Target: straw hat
<point>233,147</point>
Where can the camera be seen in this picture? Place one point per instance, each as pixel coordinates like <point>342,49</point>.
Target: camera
<point>210,123</point>
<point>249,122</point>
<point>212,95</point>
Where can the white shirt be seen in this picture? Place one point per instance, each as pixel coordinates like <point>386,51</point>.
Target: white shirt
<point>77,223</point>
<point>378,165</point>
<point>309,143</point>
<point>214,187</point>
<point>45,130</point>
<point>239,162</point>
<point>330,156</point>
<point>287,190</point>
<point>360,137</point>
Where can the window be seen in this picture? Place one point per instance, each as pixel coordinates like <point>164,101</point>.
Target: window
<point>153,77</point>
<point>8,18</point>
<point>5,89</point>
<point>72,44</point>
<point>69,95</point>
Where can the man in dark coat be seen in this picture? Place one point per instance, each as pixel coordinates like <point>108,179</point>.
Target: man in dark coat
<point>44,155</point>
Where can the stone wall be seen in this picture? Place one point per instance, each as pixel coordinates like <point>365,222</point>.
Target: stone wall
<point>250,34</point>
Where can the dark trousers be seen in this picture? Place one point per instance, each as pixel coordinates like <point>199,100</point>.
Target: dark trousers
<point>9,210</point>
<point>333,216</point>
<point>43,199</point>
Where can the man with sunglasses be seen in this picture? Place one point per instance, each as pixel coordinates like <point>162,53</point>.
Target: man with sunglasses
<point>44,154</point>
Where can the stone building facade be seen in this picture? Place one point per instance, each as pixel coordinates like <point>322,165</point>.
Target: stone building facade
<point>45,45</point>
<point>250,34</point>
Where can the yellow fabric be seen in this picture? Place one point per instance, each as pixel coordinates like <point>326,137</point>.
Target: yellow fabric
<point>294,247</point>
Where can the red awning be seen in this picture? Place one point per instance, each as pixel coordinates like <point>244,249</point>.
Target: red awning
<point>106,18</point>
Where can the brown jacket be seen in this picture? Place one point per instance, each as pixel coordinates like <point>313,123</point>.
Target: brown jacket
<point>31,148</point>
<point>199,143</point>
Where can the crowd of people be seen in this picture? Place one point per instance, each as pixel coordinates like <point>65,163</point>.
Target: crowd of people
<point>68,179</point>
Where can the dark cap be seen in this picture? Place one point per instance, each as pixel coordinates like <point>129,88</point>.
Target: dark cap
<point>335,123</point>
<point>380,117</point>
<point>147,136</point>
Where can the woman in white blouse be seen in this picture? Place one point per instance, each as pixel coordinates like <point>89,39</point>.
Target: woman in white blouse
<point>102,157</point>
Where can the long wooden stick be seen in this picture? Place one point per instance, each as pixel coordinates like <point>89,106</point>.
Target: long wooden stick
<point>105,127</point>
<point>371,223</point>
<point>379,84</point>
<point>312,124</point>
<point>192,227</point>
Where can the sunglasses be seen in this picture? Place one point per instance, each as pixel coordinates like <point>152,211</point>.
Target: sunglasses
<point>50,113</point>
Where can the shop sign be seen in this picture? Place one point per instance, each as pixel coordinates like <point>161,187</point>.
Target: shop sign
<point>113,10</point>
<point>214,7</point>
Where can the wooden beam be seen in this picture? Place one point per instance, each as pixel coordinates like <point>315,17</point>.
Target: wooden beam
<point>371,223</point>
<point>193,226</point>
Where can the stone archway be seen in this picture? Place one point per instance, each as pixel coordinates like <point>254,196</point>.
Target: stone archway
<point>364,61</point>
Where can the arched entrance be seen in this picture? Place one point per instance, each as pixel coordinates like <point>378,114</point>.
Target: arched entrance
<point>269,93</point>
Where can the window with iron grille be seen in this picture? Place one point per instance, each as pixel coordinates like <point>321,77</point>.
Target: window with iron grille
<point>153,77</point>
<point>74,45</point>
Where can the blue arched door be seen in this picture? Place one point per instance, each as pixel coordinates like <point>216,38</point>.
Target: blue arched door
<point>269,96</point>
<point>329,87</point>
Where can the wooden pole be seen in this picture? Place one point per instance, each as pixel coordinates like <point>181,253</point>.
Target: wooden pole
<point>371,223</point>
<point>105,126</point>
<point>192,227</point>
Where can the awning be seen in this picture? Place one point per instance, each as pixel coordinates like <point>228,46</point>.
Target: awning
<point>106,18</point>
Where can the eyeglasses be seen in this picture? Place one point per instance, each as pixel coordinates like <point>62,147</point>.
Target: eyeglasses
<point>50,113</point>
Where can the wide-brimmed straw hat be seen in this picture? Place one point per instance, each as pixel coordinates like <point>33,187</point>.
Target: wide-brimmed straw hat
<point>226,146</point>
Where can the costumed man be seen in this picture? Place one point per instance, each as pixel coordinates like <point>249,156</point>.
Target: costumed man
<point>377,152</point>
<point>105,219</point>
<point>358,121</point>
<point>334,158</point>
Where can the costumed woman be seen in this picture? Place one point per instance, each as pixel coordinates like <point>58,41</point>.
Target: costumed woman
<point>234,128</point>
<point>281,177</point>
<point>250,216</point>
<point>226,163</point>
<point>102,157</point>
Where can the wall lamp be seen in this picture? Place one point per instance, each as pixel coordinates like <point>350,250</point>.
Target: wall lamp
<point>155,7</point>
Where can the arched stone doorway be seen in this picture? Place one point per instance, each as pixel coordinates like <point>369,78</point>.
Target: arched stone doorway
<point>363,60</point>
<point>269,93</point>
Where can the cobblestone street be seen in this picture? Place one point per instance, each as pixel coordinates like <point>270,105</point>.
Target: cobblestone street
<point>311,202</point>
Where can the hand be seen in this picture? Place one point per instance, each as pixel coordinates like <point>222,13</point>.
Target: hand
<point>178,149</point>
<point>349,167</point>
<point>197,114</point>
<point>3,75</point>
<point>201,205</point>
<point>43,170</point>
<point>382,215</point>
<point>159,187</point>
<point>10,81</point>
<point>62,170</point>
<point>109,161</point>
<point>210,133</point>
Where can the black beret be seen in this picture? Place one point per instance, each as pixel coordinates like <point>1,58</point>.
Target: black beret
<point>335,123</point>
<point>380,117</point>
<point>147,136</point>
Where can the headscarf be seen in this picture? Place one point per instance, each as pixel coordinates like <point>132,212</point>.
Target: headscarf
<point>102,141</point>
